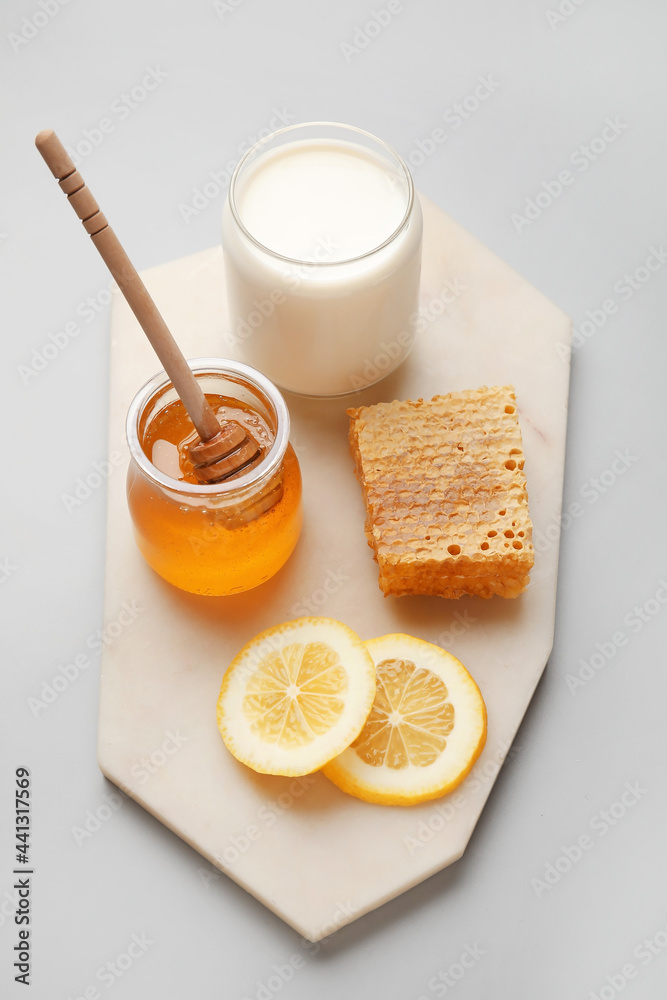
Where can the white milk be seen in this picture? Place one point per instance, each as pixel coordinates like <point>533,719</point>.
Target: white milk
<point>327,320</point>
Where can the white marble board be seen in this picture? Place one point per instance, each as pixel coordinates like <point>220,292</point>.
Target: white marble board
<point>314,856</point>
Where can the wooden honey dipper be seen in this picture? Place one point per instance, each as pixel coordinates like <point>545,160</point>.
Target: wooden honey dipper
<point>221,451</point>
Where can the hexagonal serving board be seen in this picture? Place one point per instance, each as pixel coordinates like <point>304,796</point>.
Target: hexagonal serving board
<point>316,857</point>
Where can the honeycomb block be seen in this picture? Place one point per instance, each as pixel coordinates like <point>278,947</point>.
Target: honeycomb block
<point>445,493</point>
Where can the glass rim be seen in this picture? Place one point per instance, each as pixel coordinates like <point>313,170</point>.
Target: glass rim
<point>231,194</point>
<point>211,366</point>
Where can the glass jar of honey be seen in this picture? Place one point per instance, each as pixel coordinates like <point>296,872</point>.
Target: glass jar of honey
<point>226,537</point>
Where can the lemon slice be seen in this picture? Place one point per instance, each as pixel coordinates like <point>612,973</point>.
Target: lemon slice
<point>425,730</point>
<point>296,696</point>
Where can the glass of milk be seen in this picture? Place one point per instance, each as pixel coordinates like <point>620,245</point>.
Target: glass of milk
<point>322,237</point>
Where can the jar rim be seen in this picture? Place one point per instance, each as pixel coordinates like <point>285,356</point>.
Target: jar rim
<point>256,148</point>
<point>269,464</point>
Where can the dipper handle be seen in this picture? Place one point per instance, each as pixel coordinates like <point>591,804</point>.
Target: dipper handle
<point>129,282</point>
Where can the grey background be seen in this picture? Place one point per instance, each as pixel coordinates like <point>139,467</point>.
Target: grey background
<point>225,71</point>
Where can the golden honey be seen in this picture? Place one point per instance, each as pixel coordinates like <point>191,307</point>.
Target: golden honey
<point>217,539</point>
